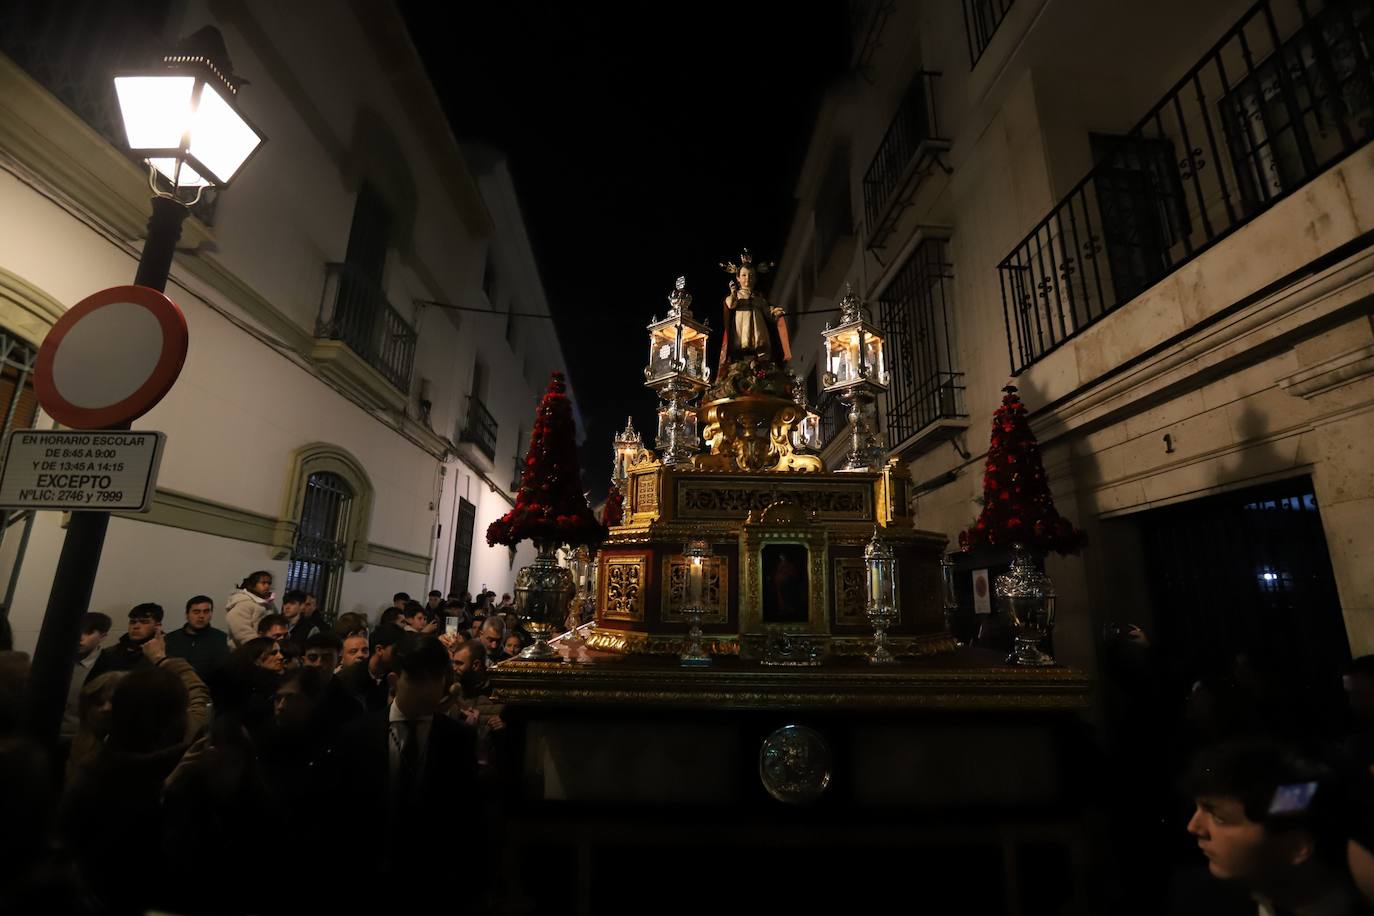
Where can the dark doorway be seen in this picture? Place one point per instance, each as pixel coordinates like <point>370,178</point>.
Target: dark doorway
<point>1248,573</point>
<point>462,546</point>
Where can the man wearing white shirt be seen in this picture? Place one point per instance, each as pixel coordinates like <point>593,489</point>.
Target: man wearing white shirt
<point>408,757</point>
<point>95,626</point>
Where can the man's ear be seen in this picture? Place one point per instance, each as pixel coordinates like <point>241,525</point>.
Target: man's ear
<point>391,679</point>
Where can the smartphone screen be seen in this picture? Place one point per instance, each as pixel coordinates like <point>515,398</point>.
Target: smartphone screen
<point>1293,799</point>
<point>451,626</point>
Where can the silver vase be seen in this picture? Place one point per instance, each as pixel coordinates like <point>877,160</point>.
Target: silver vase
<point>542,592</point>
<point>1028,596</point>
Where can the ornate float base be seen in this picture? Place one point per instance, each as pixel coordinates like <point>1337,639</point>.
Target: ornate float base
<point>785,579</point>
<point>754,433</point>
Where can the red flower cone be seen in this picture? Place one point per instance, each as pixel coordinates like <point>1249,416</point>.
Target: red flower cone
<point>550,504</point>
<point>1018,507</point>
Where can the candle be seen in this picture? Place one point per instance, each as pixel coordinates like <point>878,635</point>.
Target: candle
<point>695,575</point>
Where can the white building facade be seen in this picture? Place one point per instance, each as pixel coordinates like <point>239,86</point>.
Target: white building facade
<point>1153,219</point>
<point>337,422</point>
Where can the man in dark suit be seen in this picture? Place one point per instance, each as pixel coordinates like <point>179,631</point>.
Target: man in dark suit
<point>407,757</point>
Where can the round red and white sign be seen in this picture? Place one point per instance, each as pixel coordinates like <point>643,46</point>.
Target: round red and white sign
<point>111,358</point>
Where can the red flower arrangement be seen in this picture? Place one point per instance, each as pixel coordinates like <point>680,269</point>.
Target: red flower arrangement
<point>1017,504</point>
<point>550,504</point>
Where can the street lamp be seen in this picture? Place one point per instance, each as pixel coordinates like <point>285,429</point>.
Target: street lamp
<point>181,118</point>
<point>856,369</point>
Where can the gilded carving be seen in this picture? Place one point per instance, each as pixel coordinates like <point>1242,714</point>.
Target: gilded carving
<point>850,593</point>
<point>710,499</point>
<point>623,591</point>
<point>646,493</point>
<point>716,590</point>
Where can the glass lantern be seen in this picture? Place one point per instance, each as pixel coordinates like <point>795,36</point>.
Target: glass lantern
<point>677,343</point>
<point>182,117</point>
<point>696,553</point>
<point>880,563</point>
<point>684,417</point>
<point>852,351</point>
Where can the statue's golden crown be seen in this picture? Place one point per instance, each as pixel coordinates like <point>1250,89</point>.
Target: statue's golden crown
<point>746,259</point>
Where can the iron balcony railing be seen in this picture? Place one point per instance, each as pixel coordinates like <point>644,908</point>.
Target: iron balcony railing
<point>1286,92</point>
<point>981,19</point>
<point>354,310</point>
<point>480,428</point>
<point>911,140</point>
<point>834,417</point>
<point>915,312</point>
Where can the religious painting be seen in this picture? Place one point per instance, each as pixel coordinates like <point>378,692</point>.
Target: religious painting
<point>786,585</point>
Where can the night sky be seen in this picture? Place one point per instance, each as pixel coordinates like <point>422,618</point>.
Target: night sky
<point>646,141</point>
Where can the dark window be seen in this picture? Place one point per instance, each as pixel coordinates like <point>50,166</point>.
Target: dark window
<point>320,549</point>
<point>924,384</point>
<point>981,19</point>
<point>910,146</point>
<point>1303,105</point>
<point>519,469</point>
<point>358,312</point>
<point>462,546</point>
<point>1143,210</point>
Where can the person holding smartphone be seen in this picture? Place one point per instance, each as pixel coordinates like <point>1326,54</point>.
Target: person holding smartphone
<point>145,624</point>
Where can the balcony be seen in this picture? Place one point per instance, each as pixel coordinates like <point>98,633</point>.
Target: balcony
<point>354,314</point>
<point>1285,94</point>
<point>910,147</point>
<point>834,420</point>
<point>925,394</point>
<point>981,19</point>
<point>479,431</point>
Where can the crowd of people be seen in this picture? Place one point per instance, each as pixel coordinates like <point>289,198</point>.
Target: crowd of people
<point>185,749</point>
<point>190,758</point>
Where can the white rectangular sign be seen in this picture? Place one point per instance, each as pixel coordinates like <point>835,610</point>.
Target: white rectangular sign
<point>982,598</point>
<point>91,470</point>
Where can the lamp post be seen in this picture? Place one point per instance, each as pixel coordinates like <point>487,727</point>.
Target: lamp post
<point>181,119</point>
<point>856,369</point>
<point>678,372</point>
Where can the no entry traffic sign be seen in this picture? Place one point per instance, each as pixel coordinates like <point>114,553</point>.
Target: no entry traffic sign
<point>111,358</point>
